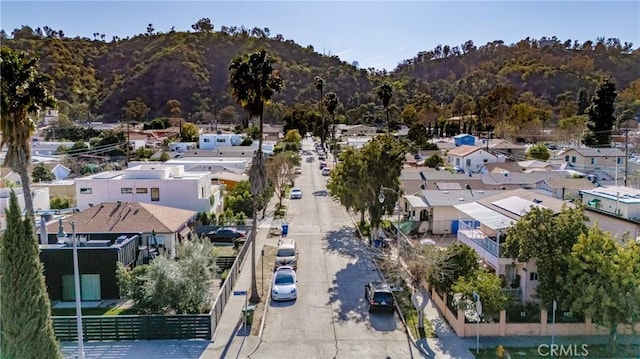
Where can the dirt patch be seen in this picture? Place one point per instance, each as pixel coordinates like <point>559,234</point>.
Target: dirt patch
<point>269,258</point>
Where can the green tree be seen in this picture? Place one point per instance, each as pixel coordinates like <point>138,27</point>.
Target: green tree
<point>459,260</point>
<point>331,102</point>
<point>164,156</point>
<point>605,280</point>
<point>434,161</point>
<point>239,198</point>
<point>280,172</point>
<point>27,330</point>
<point>572,126</point>
<point>189,132</point>
<point>539,151</point>
<point>345,179</point>
<point>58,202</point>
<point>418,134</point>
<point>385,92</point>
<point>409,115</point>
<point>318,83</point>
<point>203,25</point>
<point>253,82</point>
<point>41,173</point>
<point>293,136</point>
<point>548,239</point>
<point>136,110</point>
<point>600,112</point>
<point>173,107</point>
<point>583,101</point>
<point>169,286</point>
<point>488,286</point>
<point>24,92</point>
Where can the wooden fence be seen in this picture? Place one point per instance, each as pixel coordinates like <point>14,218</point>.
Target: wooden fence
<point>135,327</point>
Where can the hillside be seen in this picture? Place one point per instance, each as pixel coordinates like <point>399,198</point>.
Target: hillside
<point>192,67</point>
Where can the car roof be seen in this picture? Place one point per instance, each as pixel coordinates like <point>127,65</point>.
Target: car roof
<point>286,269</point>
<point>296,189</point>
<point>380,286</point>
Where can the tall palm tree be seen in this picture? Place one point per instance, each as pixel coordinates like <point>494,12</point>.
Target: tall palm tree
<point>24,92</point>
<point>385,92</point>
<point>331,102</point>
<point>318,82</point>
<point>253,82</point>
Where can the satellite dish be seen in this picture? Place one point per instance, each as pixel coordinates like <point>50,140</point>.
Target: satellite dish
<point>467,186</point>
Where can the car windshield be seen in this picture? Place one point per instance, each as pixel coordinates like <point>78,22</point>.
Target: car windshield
<point>286,252</point>
<point>296,190</point>
<point>284,278</point>
<point>383,297</point>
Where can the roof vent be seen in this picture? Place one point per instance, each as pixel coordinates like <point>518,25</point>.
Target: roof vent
<point>445,192</point>
<point>90,204</point>
<point>461,199</point>
<point>119,202</point>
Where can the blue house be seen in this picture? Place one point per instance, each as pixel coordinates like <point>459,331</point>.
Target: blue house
<point>464,139</point>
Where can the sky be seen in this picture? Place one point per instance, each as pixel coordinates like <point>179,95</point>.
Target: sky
<point>378,34</point>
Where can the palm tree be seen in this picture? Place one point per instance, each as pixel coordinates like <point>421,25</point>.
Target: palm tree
<point>253,81</point>
<point>24,92</point>
<point>318,82</point>
<point>331,102</point>
<point>385,92</point>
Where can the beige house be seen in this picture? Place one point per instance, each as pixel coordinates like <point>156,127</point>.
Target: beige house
<point>272,132</point>
<point>507,148</point>
<point>62,188</point>
<point>588,158</point>
<point>355,130</point>
<point>564,188</point>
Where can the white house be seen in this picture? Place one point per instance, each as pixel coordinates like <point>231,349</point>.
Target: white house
<point>50,116</point>
<point>164,185</point>
<point>48,148</point>
<point>210,141</point>
<point>40,201</point>
<point>182,146</point>
<point>469,158</point>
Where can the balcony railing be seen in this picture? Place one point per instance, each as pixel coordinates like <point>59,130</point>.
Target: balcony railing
<point>483,241</point>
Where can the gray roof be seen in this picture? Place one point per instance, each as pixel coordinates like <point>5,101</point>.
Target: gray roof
<point>595,152</point>
<point>521,178</point>
<point>484,215</point>
<point>537,197</point>
<point>436,198</point>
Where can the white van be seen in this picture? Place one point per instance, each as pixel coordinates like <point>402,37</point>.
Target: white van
<point>287,254</point>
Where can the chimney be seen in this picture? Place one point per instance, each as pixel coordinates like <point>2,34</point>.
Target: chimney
<point>119,202</point>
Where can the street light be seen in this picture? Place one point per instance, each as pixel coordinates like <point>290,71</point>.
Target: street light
<point>381,200</point>
<point>62,237</point>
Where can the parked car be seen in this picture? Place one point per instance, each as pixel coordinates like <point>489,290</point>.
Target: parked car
<point>284,284</point>
<point>226,235</point>
<point>379,297</point>
<point>321,156</point>
<point>297,170</point>
<point>323,165</point>
<point>296,193</point>
<point>287,254</point>
<point>326,171</point>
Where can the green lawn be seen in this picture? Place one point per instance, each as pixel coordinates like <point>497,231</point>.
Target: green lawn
<point>594,351</point>
<point>91,311</point>
<point>411,316</point>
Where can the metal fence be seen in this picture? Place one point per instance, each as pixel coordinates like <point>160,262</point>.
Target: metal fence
<point>227,287</point>
<point>135,327</point>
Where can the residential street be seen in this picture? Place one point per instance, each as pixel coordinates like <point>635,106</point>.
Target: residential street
<point>330,317</point>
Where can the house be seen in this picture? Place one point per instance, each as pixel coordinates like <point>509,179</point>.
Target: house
<point>609,160</point>
<point>464,140</point>
<point>503,167</point>
<point>564,188</point>
<point>158,227</point>
<point>513,180</point>
<point>483,226</point>
<point>229,178</point>
<point>59,188</point>
<point>416,179</point>
<point>355,142</point>
<point>183,146</point>
<point>40,198</point>
<point>504,147</point>
<point>272,132</point>
<point>210,141</point>
<point>58,170</point>
<point>536,165</point>
<point>48,148</point>
<point>210,164</point>
<point>469,158</point>
<point>49,117</point>
<point>355,130</point>
<point>618,201</point>
<point>97,263</point>
<point>165,185</point>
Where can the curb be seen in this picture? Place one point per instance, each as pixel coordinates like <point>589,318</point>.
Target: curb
<point>411,338</point>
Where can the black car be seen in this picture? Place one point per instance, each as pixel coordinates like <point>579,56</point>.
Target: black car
<point>379,297</point>
<point>226,235</point>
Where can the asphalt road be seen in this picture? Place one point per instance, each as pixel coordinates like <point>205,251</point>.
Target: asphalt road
<point>330,317</point>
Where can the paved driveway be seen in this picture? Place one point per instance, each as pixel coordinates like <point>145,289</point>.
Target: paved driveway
<point>138,349</point>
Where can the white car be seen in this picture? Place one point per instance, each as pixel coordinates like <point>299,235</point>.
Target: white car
<point>326,171</point>
<point>296,193</point>
<point>284,284</point>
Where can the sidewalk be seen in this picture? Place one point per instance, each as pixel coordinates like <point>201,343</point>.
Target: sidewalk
<point>231,339</point>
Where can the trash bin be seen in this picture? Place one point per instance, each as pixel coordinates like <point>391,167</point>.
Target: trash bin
<point>285,228</point>
<point>247,313</point>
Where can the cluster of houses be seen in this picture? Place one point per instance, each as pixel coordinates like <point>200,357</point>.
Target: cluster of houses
<point>129,215</point>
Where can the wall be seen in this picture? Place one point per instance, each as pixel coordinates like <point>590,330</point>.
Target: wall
<point>58,190</point>
<point>502,328</point>
<point>443,217</point>
<point>611,224</point>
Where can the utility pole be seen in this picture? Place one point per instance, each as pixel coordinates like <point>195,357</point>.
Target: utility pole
<point>626,155</point>
<point>128,141</point>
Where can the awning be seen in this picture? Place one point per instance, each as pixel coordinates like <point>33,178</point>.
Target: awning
<point>485,216</point>
<point>594,202</point>
<point>184,232</point>
<point>415,201</point>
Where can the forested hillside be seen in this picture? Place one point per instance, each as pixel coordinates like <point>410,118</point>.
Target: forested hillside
<point>94,78</point>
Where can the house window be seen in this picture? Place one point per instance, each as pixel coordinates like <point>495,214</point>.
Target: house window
<point>619,160</point>
<point>566,158</point>
<point>593,161</point>
<point>485,160</point>
<point>573,159</point>
<point>206,140</point>
<point>468,163</point>
<point>155,194</point>
<point>141,190</point>
<point>89,287</point>
<point>86,190</point>
<point>533,276</point>
<point>221,140</point>
<point>126,190</point>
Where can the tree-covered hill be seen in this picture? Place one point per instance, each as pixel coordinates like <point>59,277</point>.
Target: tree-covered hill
<point>96,77</point>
